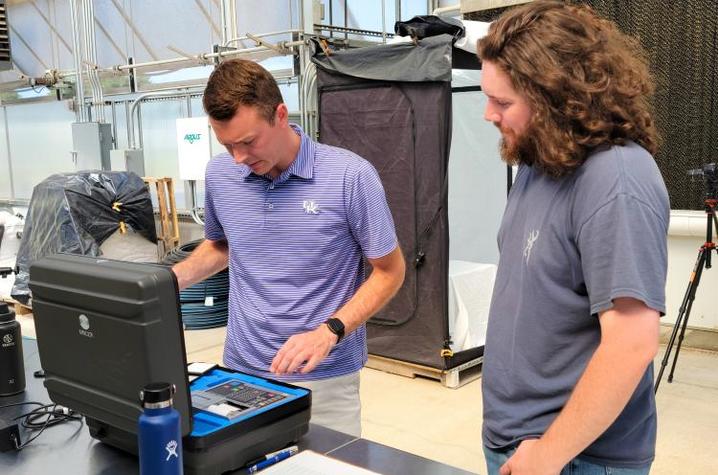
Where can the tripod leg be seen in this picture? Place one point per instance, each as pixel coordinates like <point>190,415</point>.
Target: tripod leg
<point>680,340</point>
<point>683,314</point>
<point>667,355</point>
<point>705,253</point>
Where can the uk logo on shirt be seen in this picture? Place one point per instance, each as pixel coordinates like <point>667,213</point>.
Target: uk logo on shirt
<point>310,207</point>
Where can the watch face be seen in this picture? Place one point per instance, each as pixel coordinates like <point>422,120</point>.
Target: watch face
<point>336,326</point>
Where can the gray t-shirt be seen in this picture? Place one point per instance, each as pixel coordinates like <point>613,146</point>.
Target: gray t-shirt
<point>570,246</point>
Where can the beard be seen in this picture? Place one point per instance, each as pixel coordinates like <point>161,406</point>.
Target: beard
<point>536,147</point>
<point>520,148</point>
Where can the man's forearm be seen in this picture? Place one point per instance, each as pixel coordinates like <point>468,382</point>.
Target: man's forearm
<point>207,259</point>
<point>599,397</point>
<point>604,389</point>
<point>304,351</point>
<point>379,288</point>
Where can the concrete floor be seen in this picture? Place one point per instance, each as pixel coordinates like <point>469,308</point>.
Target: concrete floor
<point>425,418</point>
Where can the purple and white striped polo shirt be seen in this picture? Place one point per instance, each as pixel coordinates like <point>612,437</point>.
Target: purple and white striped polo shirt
<point>295,250</point>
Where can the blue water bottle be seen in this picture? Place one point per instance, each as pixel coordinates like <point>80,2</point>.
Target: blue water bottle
<point>159,432</point>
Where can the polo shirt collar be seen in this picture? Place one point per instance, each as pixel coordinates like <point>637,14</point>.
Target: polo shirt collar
<point>303,164</point>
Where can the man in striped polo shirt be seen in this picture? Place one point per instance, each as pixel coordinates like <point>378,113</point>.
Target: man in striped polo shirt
<point>293,219</point>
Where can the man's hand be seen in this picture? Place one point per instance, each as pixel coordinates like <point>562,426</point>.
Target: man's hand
<point>308,349</point>
<point>528,459</point>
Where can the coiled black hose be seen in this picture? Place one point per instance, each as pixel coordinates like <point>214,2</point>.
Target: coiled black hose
<point>204,304</point>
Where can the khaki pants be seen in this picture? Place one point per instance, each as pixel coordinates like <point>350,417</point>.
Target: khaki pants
<point>335,403</point>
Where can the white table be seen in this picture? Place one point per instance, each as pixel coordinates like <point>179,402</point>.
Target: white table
<point>470,287</point>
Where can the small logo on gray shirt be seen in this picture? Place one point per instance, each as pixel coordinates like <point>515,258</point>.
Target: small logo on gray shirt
<point>533,236</point>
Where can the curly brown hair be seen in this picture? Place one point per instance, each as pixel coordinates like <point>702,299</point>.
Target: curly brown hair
<point>587,83</point>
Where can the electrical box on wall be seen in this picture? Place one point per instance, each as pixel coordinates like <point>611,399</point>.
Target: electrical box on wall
<point>193,147</point>
<point>91,142</point>
<point>128,160</point>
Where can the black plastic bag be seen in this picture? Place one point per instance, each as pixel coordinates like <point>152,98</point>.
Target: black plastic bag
<point>75,213</point>
<point>423,26</point>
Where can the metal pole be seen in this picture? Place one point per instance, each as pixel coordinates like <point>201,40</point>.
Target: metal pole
<point>93,41</point>
<point>228,20</point>
<point>82,12</point>
<point>223,21</point>
<point>128,125</point>
<point>79,87</point>
<point>114,123</point>
<point>91,56</point>
<point>291,13</point>
<point>312,102</point>
<point>383,21</point>
<point>261,35</point>
<point>302,26</point>
<point>139,126</point>
<point>202,57</point>
<point>301,88</point>
<point>9,154</point>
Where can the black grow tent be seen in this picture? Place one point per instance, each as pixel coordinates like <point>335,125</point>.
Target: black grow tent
<point>391,104</point>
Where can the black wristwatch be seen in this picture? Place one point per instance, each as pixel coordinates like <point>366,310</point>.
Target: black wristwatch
<point>337,327</point>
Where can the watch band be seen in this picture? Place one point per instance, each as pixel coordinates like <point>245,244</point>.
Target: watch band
<point>337,327</point>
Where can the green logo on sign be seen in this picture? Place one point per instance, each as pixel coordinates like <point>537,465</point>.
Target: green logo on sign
<point>192,138</point>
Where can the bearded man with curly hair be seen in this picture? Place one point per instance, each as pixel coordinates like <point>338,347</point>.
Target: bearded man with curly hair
<point>574,321</point>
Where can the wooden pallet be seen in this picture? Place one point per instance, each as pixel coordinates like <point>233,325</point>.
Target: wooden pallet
<point>451,378</point>
<point>168,236</point>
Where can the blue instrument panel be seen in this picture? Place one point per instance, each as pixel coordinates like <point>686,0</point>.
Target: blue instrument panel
<point>222,398</point>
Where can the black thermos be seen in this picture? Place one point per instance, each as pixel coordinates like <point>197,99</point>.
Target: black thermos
<point>12,369</point>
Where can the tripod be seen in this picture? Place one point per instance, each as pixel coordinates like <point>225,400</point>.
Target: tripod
<point>704,260</point>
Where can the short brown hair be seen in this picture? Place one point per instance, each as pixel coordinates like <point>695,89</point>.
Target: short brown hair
<point>241,82</point>
<point>588,84</point>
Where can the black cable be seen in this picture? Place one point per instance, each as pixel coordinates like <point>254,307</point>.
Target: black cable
<point>53,414</point>
<point>42,417</point>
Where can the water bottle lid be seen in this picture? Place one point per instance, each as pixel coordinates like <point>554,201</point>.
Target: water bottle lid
<point>6,313</point>
<point>157,392</point>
